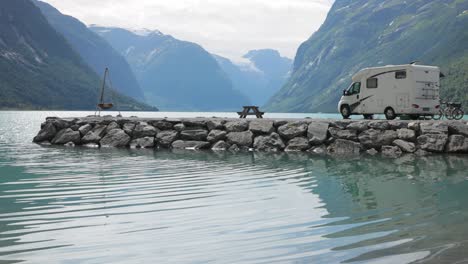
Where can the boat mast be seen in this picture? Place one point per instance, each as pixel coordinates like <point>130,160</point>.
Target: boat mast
<point>103,85</point>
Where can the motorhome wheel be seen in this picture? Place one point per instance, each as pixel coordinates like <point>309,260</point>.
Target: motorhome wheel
<point>345,111</point>
<point>389,113</point>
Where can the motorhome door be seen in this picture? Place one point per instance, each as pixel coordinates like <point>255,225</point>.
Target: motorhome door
<point>353,94</point>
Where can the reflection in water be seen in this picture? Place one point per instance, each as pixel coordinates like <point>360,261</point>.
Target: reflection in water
<point>130,206</point>
<point>134,205</point>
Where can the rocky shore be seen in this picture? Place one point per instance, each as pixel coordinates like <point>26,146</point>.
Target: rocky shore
<point>390,138</point>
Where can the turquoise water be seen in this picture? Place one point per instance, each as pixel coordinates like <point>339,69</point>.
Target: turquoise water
<point>74,205</point>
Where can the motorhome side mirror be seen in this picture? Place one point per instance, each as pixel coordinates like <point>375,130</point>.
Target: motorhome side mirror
<point>344,92</point>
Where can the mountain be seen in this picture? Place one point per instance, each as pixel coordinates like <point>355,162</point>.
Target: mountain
<point>94,50</point>
<point>39,69</point>
<point>174,74</point>
<point>365,33</point>
<point>261,76</point>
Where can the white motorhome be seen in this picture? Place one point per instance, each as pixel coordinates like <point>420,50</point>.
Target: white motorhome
<point>393,90</point>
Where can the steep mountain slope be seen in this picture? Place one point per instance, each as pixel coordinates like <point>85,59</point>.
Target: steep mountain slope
<point>366,33</point>
<point>39,69</point>
<point>94,50</point>
<point>174,74</point>
<point>261,77</point>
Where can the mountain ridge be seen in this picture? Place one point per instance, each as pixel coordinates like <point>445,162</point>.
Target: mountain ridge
<point>175,74</point>
<point>94,50</point>
<point>40,70</point>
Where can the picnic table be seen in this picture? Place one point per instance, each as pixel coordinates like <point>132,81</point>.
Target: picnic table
<point>250,110</point>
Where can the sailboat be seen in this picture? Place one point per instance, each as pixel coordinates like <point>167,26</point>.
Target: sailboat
<point>105,105</point>
<point>101,105</point>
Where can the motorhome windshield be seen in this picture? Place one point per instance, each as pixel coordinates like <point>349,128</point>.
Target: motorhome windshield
<point>354,88</point>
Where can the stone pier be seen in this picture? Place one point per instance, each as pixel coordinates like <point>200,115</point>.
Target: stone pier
<point>320,136</point>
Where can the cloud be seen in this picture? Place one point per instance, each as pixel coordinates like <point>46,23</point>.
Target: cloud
<point>225,27</point>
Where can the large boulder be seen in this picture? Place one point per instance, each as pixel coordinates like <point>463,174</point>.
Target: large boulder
<point>146,142</point>
<point>99,130</point>
<point>128,128</point>
<point>433,128</point>
<point>457,143</point>
<point>269,143</point>
<point>236,126</point>
<point>181,144</point>
<point>298,144</point>
<point>343,134</point>
<point>194,134</point>
<point>406,134</point>
<point>95,135</point>
<point>162,125</point>
<point>317,132</point>
<point>372,152</point>
<point>241,139</point>
<point>84,129</point>
<point>215,124</point>
<point>216,135</point>
<point>293,129</point>
<point>341,124</point>
<point>278,123</point>
<point>90,138</point>
<point>67,135</point>
<point>165,138</point>
<point>414,126</point>
<point>111,126</point>
<point>59,124</point>
<point>180,127</point>
<point>457,127</point>
<point>261,127</point>
<point>359,126</point>
<point>47,133</point>
<point>395,125</point>
<point>379,125</point>
<point>406,146</point>
<point>220,146</point>
<point>343,146</point>
<point>105,120</point>
<point>195,123</point>
<point>432,142</point>
<point>116,138</point>
<point>173,120</point>
<point>75,127</point>
<point>234,148</point>
<point>142,129</point>
<point>376,139</point>
<point>391,151</point>
<point>122,121</point>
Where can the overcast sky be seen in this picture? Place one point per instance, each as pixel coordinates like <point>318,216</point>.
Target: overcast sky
<point>226,27</point>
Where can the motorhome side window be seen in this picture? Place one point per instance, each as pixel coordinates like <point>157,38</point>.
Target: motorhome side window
<point>400,75</point>
<point>372,83</point>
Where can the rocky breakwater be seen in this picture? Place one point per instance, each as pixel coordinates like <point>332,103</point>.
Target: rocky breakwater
<point>390,138</point>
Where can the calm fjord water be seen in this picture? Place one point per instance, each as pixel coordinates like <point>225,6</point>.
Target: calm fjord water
<point>75,205</point>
